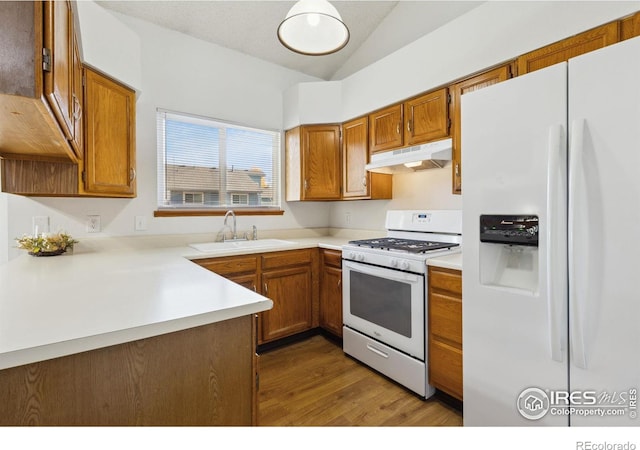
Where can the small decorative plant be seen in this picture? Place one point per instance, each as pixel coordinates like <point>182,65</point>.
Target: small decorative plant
<point>46,244</point>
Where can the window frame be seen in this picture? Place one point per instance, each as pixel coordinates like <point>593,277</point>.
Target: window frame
<point>274,207</point>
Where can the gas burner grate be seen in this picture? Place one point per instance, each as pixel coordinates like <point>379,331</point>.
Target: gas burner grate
<point>403,245</point>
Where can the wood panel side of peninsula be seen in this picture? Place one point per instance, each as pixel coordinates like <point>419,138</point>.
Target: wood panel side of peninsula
<point>200,376</point>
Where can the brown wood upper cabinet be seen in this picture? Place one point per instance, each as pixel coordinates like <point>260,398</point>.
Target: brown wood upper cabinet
<point>418,120</point>
<point>474,83</point>
<point>568,48</point>
<point>357,182</point>
<point>313,163</point>
<point>385,129</point>
<point>109,163</point>
<point>630,26</point>
<point>39,97</point>
<point>427,117</point>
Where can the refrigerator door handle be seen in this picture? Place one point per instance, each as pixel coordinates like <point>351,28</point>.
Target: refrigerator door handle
<point>555,234</point>
<point>578,229</point>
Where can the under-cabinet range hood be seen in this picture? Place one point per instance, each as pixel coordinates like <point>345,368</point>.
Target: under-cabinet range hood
<point>420,157</point>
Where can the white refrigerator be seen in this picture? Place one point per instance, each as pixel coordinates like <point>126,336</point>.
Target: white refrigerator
<point>551,226</point>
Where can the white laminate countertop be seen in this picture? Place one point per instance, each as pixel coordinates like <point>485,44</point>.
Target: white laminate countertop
<point>453,261</point>
<point>57,306</point>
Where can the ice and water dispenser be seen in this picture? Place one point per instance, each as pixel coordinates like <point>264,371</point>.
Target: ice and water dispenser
<point>509,251</point>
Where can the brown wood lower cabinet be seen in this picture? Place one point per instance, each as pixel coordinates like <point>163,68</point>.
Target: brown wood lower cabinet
<point>288,278</point>
<point>199,376</point>
<point>331,291</point>
<point>445,330</point>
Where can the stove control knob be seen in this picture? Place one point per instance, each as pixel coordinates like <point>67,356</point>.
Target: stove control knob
<point>352,255</point>
<point>404,265</point>
<point>360,257</point>
<point>394,262</point>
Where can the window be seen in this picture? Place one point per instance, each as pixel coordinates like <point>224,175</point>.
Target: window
<point>239,199</point>
<point>193,197</point>
<point>205,163</point>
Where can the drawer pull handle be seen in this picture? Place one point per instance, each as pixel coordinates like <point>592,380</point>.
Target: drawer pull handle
<point>377,352</point>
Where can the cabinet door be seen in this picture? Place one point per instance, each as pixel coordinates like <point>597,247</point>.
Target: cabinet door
<point>568,48</point>
<point>321,162</point>
<point>385,129</point>
<point>427,117</point>
<point>445,330</point>
<point>331,292</point>
<point>457,90</point>
<point>58,80</point>
<point>110,137</point>
<point>78,99</point>
<point>250,281</point>
<point>355,155</point>
<point>291,292</point>
<point>630,27</point>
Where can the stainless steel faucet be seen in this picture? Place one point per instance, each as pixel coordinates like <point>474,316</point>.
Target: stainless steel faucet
<point>255,233</point>
<point>226,216</point>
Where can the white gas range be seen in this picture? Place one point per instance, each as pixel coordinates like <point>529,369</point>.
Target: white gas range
<point>385,293</point>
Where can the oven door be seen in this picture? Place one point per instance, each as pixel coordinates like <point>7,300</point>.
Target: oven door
<point>386,305</point>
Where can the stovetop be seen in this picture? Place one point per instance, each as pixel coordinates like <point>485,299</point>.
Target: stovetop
<point>403,245</point>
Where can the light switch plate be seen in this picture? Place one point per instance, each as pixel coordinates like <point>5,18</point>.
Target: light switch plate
<point>141,223</point>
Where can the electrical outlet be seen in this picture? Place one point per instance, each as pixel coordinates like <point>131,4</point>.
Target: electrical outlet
<point>141,223</point>
<point>40,224</point>
<point>93,224</point>
<point>347,217</point>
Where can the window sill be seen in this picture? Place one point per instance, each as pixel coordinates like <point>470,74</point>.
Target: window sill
<point>186,212</point>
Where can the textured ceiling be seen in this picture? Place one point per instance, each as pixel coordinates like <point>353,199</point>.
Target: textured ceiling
<point>377,28</point>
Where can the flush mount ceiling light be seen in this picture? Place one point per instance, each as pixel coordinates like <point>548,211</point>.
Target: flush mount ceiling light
<point>313,27</point>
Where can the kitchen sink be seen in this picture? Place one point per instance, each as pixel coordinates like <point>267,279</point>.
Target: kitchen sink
<point>258,244</point>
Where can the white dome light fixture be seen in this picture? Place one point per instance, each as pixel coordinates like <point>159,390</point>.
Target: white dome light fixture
<point>313,27</point>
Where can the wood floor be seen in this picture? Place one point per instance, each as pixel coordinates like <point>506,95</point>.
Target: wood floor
<point>313,383</point>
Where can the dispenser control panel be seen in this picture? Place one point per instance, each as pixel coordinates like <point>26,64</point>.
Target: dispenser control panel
<point>509,229</point>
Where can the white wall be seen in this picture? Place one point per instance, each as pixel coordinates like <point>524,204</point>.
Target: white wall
<point>427,189</point>
<point>314,102</point>
<point>105,42</point>
<point>177,73</point>
<point>494,32</point>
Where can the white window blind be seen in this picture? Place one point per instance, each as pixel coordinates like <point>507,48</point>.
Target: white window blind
<point>208,163</point>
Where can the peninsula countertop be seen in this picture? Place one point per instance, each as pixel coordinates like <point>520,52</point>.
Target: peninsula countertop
<point>56,306</point>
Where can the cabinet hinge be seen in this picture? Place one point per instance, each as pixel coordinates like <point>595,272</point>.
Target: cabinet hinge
<point>449,98</point>
<point>84,176</point>
<point>46,59</point>
<point>449,123</point>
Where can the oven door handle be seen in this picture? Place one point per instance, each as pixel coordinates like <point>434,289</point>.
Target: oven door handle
<point>381,272</point>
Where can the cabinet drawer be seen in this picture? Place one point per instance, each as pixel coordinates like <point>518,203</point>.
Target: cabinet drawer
<point>277,260</point>
<point>446,279</point>
<point>332,258</point>
<point>229,265</point>
<point>445,317</point>
<point>445,368</point>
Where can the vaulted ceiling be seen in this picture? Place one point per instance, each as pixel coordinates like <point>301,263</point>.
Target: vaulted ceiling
<point>377,28</point>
